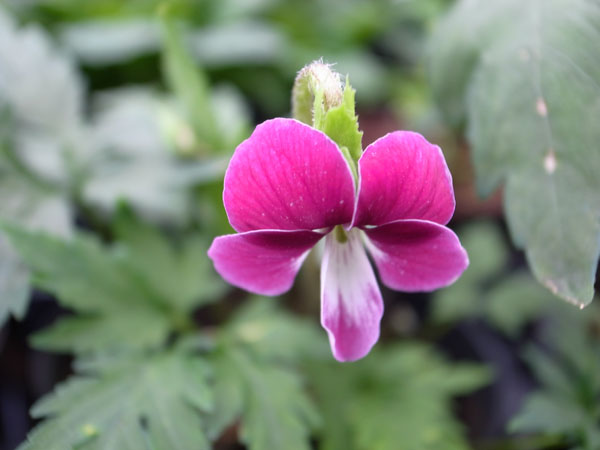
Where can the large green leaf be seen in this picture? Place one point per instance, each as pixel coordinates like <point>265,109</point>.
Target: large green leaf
<point>532,96</point>
<point>147,404</point>
<point>454,50</point>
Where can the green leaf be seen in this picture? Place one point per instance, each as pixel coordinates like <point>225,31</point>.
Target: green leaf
<point>277,412</point>
<point>516,301</point>
<point>84,275</point>
<point>124,329</point>
<point>271,334</point>
<point>182,275</point>
<point>130,295</point>
<point>228,392</point>
<point>26,204</point>
<point>189,84</point>
<point>568,370</point>
<point>549,413</point>
<point>14,283</point>
<point>269,400</point>
<point>400,394</point>
<point>508,301</point>
<point>118,307</point>
<point>103,42</point>
<point>147,155</point>
<point>532,107</point>
<point>253,385</point>
<point>455,49</point>
<point>151,403</point>
<point>464,298</point>
<point>35,104</point>
<point>341,124</point>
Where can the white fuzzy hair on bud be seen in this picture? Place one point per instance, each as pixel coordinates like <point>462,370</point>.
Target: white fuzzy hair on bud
<point>317,78</point>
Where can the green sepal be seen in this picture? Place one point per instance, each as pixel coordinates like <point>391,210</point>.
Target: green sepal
<point>340,123</point>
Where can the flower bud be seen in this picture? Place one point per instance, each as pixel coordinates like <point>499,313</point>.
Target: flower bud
<point>316,90</point>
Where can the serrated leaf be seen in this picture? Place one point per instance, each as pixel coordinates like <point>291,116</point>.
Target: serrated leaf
<point>118,307</point>
<point>183,276</point>
<point>153,403</point>
<point>255,387</point>
<point>25,203</point>
<point>341,124</point>
<point>85,276</point>
<point>274,335</point>
<point>124,330</point>
<point>400,394</point>
<point>277,412</point>
<point>269,400</point>
<point>532,102</point>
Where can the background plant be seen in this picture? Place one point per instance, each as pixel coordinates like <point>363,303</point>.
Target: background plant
<point>116,123</point>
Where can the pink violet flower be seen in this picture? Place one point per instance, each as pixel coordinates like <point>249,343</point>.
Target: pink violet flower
<point>288,186</point>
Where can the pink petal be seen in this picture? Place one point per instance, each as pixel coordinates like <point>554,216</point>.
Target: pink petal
<point>288,176</point>
<point>416,255</point>
<point>264,261</point>
<point>351,304</point>
<point>402,176</point>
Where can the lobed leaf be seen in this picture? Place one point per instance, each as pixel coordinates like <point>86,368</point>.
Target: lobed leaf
<point>399,395</point>
<point>182,275</point>
<point>152,403</point>
<point>253,385</point>
<point>128,296</point>
<point>528,81</point>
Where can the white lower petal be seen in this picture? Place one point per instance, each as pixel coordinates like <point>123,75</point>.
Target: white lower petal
<point>351,303</point>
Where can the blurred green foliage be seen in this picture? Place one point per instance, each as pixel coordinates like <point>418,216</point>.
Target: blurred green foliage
<point>487,289</point>
<point>128,136</point>
<point>400,399</point>
<point>565,358</point>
